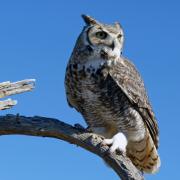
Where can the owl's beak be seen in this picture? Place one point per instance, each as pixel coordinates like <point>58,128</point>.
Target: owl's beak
<point>112,45</point>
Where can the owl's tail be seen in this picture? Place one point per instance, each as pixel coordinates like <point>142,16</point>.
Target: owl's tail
<point>144,154</point>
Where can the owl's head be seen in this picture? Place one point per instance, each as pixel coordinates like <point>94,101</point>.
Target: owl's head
<point>102,37</point>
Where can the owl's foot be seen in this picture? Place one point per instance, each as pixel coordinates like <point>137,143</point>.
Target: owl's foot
<point>118,142</point>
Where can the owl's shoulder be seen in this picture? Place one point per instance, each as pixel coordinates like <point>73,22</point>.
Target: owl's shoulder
<point>129,79</point>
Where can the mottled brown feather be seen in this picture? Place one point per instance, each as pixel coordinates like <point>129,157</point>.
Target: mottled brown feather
<point>131,83</point>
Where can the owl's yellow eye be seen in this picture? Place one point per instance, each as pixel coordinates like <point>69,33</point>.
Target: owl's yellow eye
<point>101,35</point>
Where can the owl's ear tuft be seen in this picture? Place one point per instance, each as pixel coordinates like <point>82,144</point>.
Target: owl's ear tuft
<point>89,20</point>
<point>117,25</point>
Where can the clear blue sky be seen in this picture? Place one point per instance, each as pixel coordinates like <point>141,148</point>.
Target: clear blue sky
<point>36,40</point>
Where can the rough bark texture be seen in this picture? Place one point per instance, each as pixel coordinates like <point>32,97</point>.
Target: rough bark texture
<point>48,127</point>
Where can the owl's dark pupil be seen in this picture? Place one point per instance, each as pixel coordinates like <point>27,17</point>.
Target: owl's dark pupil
<point>101,35</point>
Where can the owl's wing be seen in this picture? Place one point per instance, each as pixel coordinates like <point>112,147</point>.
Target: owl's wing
<point>129,80</point>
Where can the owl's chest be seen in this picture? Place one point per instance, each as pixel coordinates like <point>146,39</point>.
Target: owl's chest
<point>91,88</point>
<point>87,82</point>
<point>83,82</point>
<point>95,94</point>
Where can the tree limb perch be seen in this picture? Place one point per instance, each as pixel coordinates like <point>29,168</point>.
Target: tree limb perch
<point>48,127</point>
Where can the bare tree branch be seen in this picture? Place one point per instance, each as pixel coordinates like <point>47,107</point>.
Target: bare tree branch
<point>7,88</point>
<point>48,127</point>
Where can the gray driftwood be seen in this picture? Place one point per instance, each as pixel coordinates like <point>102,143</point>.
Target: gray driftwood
<point>48,127</point>
<point>7,88</point>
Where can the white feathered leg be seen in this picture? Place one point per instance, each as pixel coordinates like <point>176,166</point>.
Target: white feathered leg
<point>118,142</point>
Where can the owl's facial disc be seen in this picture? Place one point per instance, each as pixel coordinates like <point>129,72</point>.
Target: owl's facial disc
<point>100,39</point>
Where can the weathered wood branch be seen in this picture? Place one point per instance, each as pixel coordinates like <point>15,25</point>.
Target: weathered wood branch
<point>7,88</point>
<point>48,127</point>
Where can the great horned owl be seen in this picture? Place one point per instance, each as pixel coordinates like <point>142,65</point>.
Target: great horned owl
<point>108,91</point>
